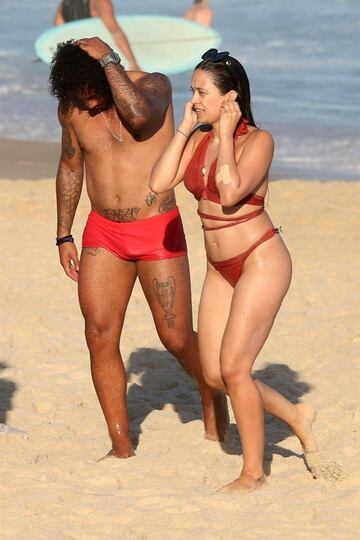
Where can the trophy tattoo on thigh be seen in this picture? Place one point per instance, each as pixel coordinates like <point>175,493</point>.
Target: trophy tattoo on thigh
<point>165,294</point>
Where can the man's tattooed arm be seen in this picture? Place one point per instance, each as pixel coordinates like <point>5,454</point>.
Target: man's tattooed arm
<point>69,179</point>
<point>142,104</point>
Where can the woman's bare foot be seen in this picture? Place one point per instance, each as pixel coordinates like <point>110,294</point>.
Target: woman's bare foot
<point>216,417</point>
<point>245,482</point>
<point>302,427</point>
<point>318,464</point>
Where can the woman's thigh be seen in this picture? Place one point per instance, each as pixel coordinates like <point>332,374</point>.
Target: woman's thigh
<point>256,301</point>
<point>214,312</point>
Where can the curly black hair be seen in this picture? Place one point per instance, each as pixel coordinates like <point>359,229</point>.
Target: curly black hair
<point>74,73</point>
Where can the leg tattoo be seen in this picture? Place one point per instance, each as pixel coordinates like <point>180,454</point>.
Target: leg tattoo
<point>92,251</point>
<point>165,292</point>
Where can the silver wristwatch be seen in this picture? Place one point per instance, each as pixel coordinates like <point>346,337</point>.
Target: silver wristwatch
<point>110,58</point>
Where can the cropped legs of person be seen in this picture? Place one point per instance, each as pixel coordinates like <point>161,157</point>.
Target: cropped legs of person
<point>166,285</point>
<point>232,333</point>
<point>105,286</point>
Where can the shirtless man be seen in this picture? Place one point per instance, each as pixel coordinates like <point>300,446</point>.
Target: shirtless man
<point>200,13</point>
<point>116,123</point>
<point>70,10</point>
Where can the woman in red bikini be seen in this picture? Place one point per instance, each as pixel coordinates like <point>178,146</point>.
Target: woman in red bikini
<point>249,266</point>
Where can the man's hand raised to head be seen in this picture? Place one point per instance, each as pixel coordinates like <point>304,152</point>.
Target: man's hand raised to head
<point>95,47</point>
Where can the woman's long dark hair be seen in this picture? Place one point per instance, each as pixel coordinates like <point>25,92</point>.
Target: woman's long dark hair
<point>228,74</point>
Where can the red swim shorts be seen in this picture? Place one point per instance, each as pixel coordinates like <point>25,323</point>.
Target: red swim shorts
<point>158,237</point>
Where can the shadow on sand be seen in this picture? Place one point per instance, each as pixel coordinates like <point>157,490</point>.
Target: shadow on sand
<point>7,390</point>
<point>161,381</point>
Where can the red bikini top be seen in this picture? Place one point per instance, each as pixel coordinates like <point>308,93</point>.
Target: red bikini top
<point>194,179</point>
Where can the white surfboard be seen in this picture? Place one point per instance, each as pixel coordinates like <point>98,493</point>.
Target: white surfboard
<point>160,43</point>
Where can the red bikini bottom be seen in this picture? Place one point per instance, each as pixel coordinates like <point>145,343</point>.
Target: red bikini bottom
<point>151,239</point>
<point>231,268</point>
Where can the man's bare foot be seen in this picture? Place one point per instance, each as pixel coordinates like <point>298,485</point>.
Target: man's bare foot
<point>216,417</point>
<point>119,455</point>
<point>245,482</point>
<point>302,427</point>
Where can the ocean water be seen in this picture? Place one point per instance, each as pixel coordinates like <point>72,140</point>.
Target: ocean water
<point>302,59</point>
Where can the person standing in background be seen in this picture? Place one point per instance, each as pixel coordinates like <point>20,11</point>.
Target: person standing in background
<point>200,13</point>
<point>72,10</point>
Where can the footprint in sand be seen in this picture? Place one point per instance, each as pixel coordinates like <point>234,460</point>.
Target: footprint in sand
<point>321,466</point>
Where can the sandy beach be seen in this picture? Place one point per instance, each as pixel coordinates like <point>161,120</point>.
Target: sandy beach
<point>53,488</point>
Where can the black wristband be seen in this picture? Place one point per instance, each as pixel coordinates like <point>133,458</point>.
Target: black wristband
<point>68,238</point>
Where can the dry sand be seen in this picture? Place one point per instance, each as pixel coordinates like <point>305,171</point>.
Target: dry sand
<point>52,486</point>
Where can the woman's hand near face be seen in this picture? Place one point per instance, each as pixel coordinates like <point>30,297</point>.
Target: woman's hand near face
<point>230,115</point>
<point>189,120</point>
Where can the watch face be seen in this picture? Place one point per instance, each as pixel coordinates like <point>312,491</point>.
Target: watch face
<point>110,58</point>
<point>114,57</point>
